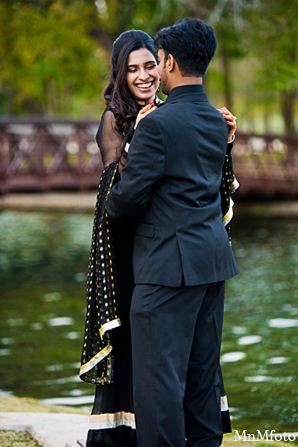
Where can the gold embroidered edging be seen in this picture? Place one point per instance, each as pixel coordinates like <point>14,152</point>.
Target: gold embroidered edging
<point>95,360</point>
<point>228,216</point>
<point>112,420</point>
<point>235,185</point>
<point>108,326</point>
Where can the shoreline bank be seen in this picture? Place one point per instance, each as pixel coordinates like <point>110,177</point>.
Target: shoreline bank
<point>85,201</point>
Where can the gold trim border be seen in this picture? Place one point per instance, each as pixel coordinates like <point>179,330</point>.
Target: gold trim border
<point>95,360</point>
<point>108,326</point>
<point>112,420</point>
<point>228,216</point>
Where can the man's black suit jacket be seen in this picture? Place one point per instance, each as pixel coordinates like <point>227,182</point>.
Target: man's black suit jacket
<point>170,186</point>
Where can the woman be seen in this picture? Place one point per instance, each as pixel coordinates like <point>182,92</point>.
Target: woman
<point>106,357</point>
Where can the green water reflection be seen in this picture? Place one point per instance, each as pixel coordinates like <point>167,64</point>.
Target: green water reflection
<point>261,322</point>
<point>43,263</point>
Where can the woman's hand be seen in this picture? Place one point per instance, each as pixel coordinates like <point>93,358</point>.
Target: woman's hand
<point>231,121</point>
<point>145,111</point>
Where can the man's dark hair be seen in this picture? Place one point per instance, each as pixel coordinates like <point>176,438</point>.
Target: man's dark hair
<point>191,42</point>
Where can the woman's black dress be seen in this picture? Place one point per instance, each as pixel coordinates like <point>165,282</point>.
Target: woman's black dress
<point>112,422</point>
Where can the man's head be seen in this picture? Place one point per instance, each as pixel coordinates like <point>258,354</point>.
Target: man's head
<point>190,44</point>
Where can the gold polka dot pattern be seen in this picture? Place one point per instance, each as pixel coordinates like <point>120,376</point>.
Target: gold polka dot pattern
<point>102,302</point>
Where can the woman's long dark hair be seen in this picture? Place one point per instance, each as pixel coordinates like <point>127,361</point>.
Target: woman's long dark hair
<point>117,94</point>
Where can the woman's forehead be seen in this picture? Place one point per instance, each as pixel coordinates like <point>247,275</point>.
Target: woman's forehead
<point>140,56</point>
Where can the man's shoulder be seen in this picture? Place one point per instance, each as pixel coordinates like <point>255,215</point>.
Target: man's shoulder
<point>155,116</point>
<point>180,107</point>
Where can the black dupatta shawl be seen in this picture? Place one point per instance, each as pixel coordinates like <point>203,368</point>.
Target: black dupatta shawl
<point>102,301</point>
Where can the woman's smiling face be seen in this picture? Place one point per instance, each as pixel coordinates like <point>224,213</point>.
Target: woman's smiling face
<point>142,76</point>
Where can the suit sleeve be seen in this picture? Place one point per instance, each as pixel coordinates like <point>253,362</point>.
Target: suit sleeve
<point>145,166</point>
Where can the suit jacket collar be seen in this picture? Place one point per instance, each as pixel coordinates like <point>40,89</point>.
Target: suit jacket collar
<point>191,93</point>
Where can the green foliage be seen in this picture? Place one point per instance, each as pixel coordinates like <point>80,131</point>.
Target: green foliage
<point>47,56</point>
<point>275,39</point>
<point>272,37</point>
<point>54,54</point>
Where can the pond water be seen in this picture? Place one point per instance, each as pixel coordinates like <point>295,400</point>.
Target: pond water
<point>43,264</point>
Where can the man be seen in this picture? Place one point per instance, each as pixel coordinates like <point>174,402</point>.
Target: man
<point>182,257</point>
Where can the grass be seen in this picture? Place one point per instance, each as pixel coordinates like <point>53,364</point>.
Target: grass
<point>29,405</point>
<point>229,441</point>
<point>26,405</point>
<point>16,439</point>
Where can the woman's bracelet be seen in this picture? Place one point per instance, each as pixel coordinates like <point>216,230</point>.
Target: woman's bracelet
<point>122,164</point>
<point>233,139</point>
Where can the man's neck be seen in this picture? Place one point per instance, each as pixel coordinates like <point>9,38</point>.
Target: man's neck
<point>180,81</point>
<point>190,80</point>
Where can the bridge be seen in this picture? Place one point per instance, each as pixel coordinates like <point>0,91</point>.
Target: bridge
<point>42,154</point>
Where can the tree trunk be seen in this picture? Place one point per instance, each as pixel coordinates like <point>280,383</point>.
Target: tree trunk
<point>227,84</point>
<point>287,109</point>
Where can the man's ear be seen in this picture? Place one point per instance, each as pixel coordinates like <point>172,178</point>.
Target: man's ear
<point>170,64</point>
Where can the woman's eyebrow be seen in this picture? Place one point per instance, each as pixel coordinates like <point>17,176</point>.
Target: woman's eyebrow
<point>144,63</point>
